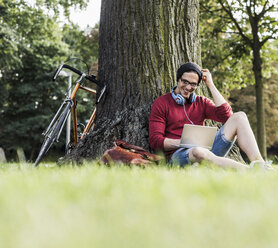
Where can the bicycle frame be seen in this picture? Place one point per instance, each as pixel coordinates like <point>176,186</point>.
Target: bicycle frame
<point>74,112</point>
<point>78,86</point>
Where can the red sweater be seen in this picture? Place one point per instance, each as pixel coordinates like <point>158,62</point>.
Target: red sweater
<point>167,118</point>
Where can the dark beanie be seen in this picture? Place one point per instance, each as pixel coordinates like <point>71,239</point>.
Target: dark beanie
<point>188,67</point>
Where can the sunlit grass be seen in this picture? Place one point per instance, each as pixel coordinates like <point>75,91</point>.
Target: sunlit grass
<point>97,206</point>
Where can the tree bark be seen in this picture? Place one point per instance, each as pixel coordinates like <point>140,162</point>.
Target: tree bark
<point>260,110</point>
<point>257,69</point>
<point>142,44</point>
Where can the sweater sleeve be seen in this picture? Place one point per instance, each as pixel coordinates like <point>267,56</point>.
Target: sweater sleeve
<point>157,125</point>
<point>220,113</point>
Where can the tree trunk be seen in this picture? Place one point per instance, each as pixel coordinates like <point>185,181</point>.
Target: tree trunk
<point>257,69</point>
<point>142,44</point>
<point>260,114</point>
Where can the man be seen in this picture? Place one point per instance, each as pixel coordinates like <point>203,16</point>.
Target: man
<point>182,106</point>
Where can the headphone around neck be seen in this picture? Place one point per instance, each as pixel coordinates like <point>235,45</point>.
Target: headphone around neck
<point>179,99</point>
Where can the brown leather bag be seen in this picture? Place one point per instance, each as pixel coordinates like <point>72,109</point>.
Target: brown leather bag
<point>126,153</point>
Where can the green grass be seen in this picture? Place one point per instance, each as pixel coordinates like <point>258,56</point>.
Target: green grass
<point>96,206</point>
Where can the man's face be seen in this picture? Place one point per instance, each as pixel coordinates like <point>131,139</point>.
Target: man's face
<point>187,84</point>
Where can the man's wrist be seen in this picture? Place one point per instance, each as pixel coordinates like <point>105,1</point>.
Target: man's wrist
<point>171,144</point>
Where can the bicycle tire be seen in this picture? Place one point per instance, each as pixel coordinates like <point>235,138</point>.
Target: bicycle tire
<point>50,138</point>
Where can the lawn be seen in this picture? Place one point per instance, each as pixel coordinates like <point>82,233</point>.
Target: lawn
<point>96,206</point>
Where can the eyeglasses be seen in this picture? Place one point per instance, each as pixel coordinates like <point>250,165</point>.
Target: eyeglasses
<point>186,82</point>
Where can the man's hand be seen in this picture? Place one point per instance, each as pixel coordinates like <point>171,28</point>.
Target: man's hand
<point>217,97</point>
<point>207,78</point>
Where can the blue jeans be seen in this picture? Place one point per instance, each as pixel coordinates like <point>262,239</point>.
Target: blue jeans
<point>221,147</point>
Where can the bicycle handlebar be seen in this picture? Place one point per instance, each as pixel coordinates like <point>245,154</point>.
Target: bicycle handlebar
<point>92,78</point>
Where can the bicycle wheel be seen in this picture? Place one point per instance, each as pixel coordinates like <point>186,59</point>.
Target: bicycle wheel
<point>53,133</point>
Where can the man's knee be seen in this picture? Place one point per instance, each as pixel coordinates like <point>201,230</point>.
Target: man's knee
<point>239,116</point>
<point>198,154</point>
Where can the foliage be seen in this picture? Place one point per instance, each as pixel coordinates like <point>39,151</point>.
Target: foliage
<point>55,5</point>
<point>96,206</point>
<point>85,46</point>
<point>30,90</point>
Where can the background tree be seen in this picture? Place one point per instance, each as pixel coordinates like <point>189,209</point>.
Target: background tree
<point>142,43</point>
<point>247,101</point>
<point>255,23</point>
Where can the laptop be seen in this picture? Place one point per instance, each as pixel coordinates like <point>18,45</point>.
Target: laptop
<point>196,135</point>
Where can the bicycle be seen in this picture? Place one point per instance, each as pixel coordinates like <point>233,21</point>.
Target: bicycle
<point>53,131</point>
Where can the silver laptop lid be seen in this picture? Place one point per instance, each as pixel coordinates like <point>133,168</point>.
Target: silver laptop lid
<point>195,135</point>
